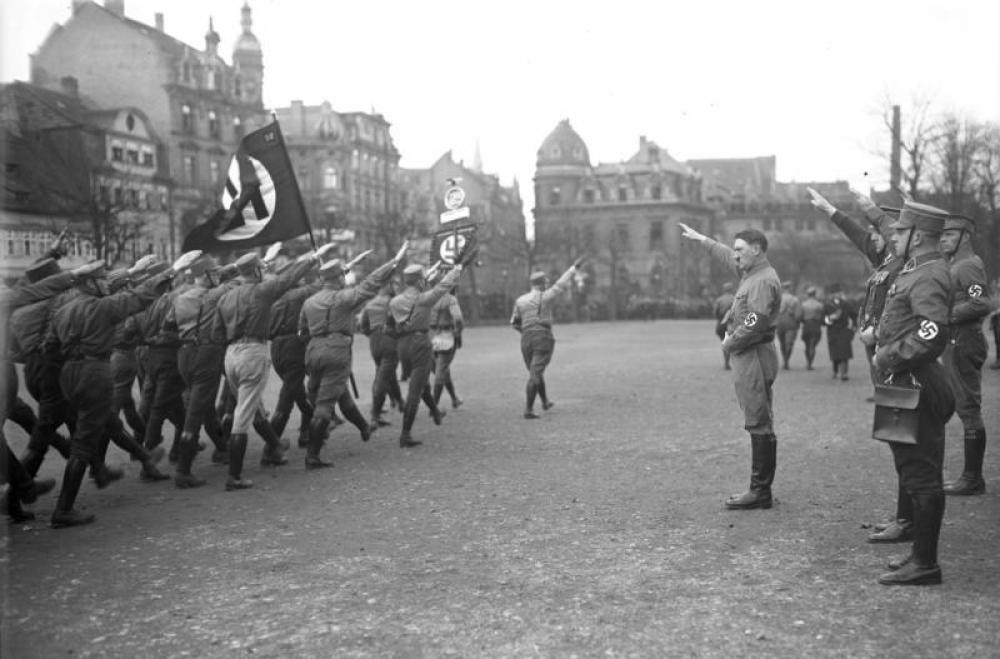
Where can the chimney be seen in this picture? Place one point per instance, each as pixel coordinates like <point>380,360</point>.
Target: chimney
<point>642,142</point>
<point>895,166</point>
<point>115,7</point>
<point>70,86</point>
<point>158,17</point>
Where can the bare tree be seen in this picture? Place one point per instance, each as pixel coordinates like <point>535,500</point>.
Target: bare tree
<point>955,154</point>
<point>917,137</point>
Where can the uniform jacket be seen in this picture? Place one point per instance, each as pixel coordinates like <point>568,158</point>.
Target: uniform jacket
<point>756,303</point>
<point>887,264</point>
<point>789,311</point>
<point>245,311</point>
<point>330,312</point>
<point>411,309</point>
<point>375,313</point>
<point>285,312</point>
<point>533,310</point>
<point>970,292</point>
<point>913,330</point>
<point>446,314</point>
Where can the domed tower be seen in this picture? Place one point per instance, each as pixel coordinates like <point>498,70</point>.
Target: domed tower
<point>563,161</point>
<point>248,62</point>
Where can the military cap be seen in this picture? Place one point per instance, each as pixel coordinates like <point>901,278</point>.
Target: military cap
<point>891,211</point>
<point>332,269</point>
<point>957,221</point>
<point>44,268</point>
<point>921,216</point>
<point>537,276</point>
<point>248,263</point>
<point>94,270</point>
<point>226,272</point>
<point>118,279</point>
<point>415,269</point>
<point>201,265</point>
<point>155,269</point>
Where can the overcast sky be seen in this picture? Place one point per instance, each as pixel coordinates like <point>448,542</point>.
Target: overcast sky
<point>804,81</point>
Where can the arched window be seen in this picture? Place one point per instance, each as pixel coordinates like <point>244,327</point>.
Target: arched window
<point>554,196</point>
<point>237,127</point>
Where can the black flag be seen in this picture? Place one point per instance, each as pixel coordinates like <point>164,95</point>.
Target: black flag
<point>261,199</point>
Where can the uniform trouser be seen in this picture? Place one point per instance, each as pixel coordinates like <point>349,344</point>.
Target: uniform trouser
<point>442,366</point>
<point>288,354</point>
<point>41,378</point>
<point>11,469</point>
<point>166,393</point>
<point>141,362</point>
<point>416,356</point>
<point>920,465</point>
<point>328,363</point>
<point>247,366</point>
<point>786,338</point>
<point>384,354</point>
<point>124,369</point>
<point>200,367</point>
<point>86,384</point>
<point>812,333</point>
<point>537,346</point>
<point>754,371</point>
<point>963,360</point>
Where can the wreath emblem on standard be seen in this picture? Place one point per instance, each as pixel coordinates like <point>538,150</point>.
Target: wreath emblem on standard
<point>750,320</point>
<point>975,290</point>
<point>928,330</point>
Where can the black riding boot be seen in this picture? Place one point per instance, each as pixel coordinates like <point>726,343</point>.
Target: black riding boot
<point>922,569</point>
<point>278,422</point>
<point>184,479</point>
<point>237,449</point>
<point>65,514</point>
<point>317,437</point>
<point>971,481</point>
<point>763,461</point>
<point>274,452</point>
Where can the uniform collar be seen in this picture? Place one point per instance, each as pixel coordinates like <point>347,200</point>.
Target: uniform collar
<point>758,266</point>
<point>920,260</point>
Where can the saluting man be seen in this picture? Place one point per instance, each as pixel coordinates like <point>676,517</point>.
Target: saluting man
<point>410,311</point>
<point>912,333</point>
<point>242,316</point>
<point>533,318</point>
<point>382,346</point>
<point>750,340</point>
<point>327,321</point>
<point>965,355</point>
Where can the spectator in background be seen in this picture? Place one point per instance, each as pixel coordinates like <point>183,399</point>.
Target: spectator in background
<point>840,321</point>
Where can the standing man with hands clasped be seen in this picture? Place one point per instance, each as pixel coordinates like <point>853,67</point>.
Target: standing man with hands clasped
<point>750,340</point>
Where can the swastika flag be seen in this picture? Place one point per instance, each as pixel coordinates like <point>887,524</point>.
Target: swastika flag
<point>261,203</point>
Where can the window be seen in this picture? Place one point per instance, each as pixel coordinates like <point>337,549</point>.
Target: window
<point>187,120</point>
<point>117,154</point>
<point>119,197</point>
<point>217,80</point>
<point>104,194</point>
<point>27,247</point>
<point>588,196</point>
<point>778,225</point>
<point>656,234</point>
<point>132,198</point>
<point>368,199</point>
<point>622,193</point>
<point>554,196</point>
<point>147,200</point>
<point>147,157</point>
<point>622,236</point>
<point>186,72</point>
<point>656,192</point>
<point>133,156</point>
<point>213,167</point>
<point>213,123</point>
<point>237,127</point>
<point>330,178</point>
<point>189,169</point>
<point>355,159</point>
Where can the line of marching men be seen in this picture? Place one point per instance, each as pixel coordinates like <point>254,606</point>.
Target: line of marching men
<point>188,329</point>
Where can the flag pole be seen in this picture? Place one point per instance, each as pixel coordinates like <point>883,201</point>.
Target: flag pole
<point>298,192</point>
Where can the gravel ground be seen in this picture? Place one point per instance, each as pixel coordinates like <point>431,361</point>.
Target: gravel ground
<point>598,530</point>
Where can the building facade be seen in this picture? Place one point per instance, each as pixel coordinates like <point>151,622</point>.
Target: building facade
<point>198,104</point>
<point>624,216</point>
<point>97,173</point>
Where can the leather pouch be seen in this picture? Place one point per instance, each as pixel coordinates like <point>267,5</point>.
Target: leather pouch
<point>896,415</point>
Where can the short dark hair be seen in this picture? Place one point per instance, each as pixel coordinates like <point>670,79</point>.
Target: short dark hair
<point>753,237</point>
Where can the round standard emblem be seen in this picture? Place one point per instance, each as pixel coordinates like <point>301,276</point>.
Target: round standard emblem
<point>451,248</point>
<point>454,197</point>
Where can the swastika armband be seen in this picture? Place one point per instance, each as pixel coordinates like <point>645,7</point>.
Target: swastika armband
<point>750,320</point>
<point>975,290</point>
<point>928,330</point>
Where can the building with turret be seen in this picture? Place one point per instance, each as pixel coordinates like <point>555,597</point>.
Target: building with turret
<point>197,103</point>
<point>623,215</point>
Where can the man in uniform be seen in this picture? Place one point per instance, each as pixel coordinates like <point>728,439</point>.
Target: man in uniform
<point>446,338</point>
<point>242,316</point>
<point>533,317</point>
<point>750,340</point>
<point>82,331</point>
<point>721,308</point>
<point>912,333</point>
<point>382,345</point>
<point>410,312</point>
<point>789,317</point>
<point>199,362</point>
<point>965,355</point>
<point>812,325</point>
<point>327,321</point>
<point>288,354</point>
